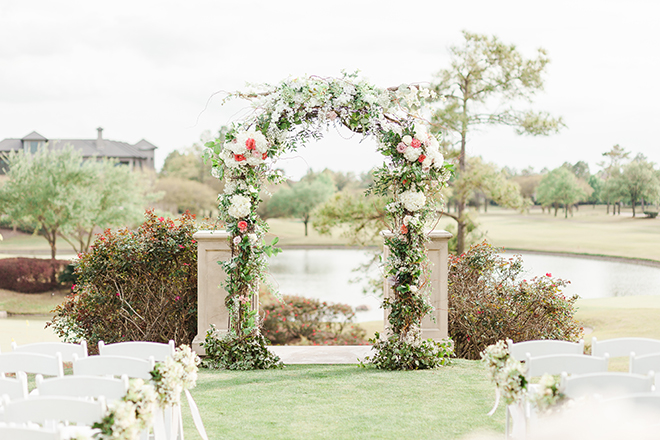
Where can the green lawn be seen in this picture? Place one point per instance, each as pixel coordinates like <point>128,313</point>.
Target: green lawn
<point>346,402</point>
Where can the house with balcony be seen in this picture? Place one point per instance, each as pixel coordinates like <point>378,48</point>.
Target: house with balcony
<point>138,156</point>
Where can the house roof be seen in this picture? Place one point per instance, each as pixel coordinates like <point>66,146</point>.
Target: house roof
<point>87,147</point>
<point>34,136</point>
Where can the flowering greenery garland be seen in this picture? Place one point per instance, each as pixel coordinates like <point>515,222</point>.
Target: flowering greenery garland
<point>508,375</point>
<point>286,116</point>
<point>134,412</point>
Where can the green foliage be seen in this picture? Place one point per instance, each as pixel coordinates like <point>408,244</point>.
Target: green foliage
<point>362,217</point>
<point>560,187</point>
<point>30,275</point>
<point>181,195</point>
<point>639,181</point>
<point>300,200</point>
<point>488,302</point>
<point>231,352</point>
<point>394,354</point>
<point>135,286</point>
<point>60,195</point>
<point>306,321</point>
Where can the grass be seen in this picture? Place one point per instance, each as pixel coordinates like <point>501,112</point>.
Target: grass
<point>346,402</point>
<point>589,231</point>
<point>31,304</point>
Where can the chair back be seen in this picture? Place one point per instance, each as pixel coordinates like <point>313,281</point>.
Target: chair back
<point>624,346</point>
<point>25,433</point>
<point>607,384</point>
<point>138,349</point>
<point>47,409</point>
<point>31,363</point>
<point>564,363</point>
<point>84,386</point>
<point>113,366</point>
<point>543,347</point>
<point>14,387</point>
<point>51,348</point>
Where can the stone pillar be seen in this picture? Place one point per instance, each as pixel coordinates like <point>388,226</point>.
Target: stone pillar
<point>437,251</point>
<point>212,246</point>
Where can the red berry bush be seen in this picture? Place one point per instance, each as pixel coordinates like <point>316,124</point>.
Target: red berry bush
<point>489,301</point>
<point>298,320</point>
<point>135,285</point>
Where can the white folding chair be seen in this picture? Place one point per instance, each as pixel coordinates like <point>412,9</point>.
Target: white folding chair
<point>605,385</point>
<point>535,348</point>
<point>138,349</point>
<point>34,363</point>
<point>28,433</point>
<point>646,403</point>
<point>51,348</point>
<point>109,388</point>
<point>113,366</point>
<point>49,410</point>
<point>564,363</point>
<point>543,347</point>
<point>620,347</point>
<point>172,417</point>
<point>14,387</point>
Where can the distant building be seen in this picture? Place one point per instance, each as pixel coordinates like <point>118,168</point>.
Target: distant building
<point>138,156</point>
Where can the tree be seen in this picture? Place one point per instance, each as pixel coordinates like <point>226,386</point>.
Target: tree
<point>639,181</point>
<point>300,199</point>
<point>484,81</point>
<point>486,179</point>
<point>181,195</point>
<point>560,187</point>
<point>60,195</point>
<point>611,192</point>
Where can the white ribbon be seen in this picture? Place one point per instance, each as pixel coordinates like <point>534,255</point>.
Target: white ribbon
<point>197,418</point>
<point>159,425</point>
<point>497,401</point>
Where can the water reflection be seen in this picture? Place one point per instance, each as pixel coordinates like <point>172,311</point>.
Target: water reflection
<point>595,278</point>
<point>325,274</point>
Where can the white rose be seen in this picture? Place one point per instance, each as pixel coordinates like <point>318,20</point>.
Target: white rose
<point>407,139</point>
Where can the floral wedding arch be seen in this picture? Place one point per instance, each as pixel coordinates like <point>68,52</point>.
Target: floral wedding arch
<point>286,116</point>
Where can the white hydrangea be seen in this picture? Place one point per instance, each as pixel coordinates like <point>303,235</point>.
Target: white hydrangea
<point>412,200</point>
<point>412,154</point>
<point>240,206</point>
<point>125,424</point>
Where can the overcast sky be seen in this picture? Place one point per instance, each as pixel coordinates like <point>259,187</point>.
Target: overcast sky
<point>146,69</point>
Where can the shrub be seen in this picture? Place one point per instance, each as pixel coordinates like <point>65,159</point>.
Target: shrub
<point>304,321</point>
<point>135,285</point>
<point>395,354</point>
<point>488,302</point>
<point>247,352</point>
<point>30,275</point>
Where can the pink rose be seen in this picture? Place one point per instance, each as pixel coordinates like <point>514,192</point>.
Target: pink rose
<point>255,153</point>
<point>401,147</point>
<point>242,225</point>
<point>415,143</point>
<point>251,144</point>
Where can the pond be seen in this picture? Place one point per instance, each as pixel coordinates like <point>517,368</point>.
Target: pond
<point>325,274</point>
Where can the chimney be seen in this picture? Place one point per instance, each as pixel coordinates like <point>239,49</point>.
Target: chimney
<point>99,139</point>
